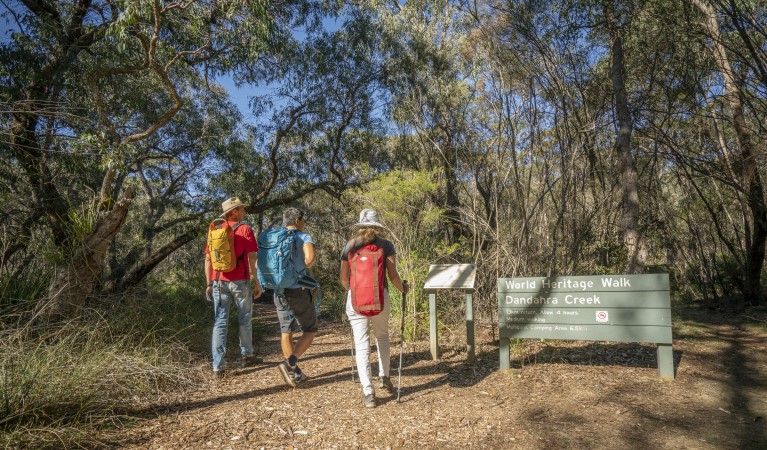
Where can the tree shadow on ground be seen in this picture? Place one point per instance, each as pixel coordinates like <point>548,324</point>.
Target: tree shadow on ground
<point>729,353</point>
<point>451,370</point>
<point>421,376</point>
<point>737,361</point>
<point>175,407</point>
<point>628,354</point>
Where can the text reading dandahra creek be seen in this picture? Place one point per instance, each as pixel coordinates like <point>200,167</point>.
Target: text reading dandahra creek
<point>567,283</point>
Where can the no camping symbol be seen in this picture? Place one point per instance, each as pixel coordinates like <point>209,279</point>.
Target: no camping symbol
<point>602,316</point>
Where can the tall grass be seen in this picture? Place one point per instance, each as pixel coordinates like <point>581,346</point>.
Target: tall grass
<point>70,384</point>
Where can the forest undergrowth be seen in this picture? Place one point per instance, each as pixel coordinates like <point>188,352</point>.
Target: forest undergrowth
<point>72,384</point>
<point>64,384</point>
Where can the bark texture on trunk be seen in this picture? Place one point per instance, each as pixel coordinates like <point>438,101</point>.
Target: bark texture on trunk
<point>74,281</point>
<point>753,186</point>
<point>632,237</point>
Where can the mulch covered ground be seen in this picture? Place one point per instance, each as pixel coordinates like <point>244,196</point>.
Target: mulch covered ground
<point>560,394</point>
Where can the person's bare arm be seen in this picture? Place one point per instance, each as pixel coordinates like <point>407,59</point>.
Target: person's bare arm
<point>309,256</point>
<point>391,271</point>
<point>208,287</point>
<point>344,277</point>
<point>253,263</point>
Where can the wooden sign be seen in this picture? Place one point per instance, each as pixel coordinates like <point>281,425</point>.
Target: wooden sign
<point>450,276</point>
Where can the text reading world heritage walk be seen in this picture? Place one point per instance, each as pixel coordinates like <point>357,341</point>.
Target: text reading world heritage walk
<point>594,291</point>
<point>543,286</point>
<point>567,283</point>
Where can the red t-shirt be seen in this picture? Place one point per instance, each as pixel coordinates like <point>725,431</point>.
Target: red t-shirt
<point>244,243</point>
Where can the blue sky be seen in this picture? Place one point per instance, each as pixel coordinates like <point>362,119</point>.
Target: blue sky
<point>239,95</point>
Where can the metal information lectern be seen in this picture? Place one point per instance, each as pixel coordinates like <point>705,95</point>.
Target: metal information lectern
<point>451,276</point>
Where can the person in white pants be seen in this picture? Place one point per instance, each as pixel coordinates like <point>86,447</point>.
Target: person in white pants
<point>361,331</point>
<point>369,232</point>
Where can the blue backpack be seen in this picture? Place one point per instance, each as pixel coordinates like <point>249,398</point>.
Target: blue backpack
<point>275,259</point>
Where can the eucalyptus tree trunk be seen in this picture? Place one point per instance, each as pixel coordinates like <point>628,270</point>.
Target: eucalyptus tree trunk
<point>74,281</point>
<point>632,238</point>
<point>756,225</point>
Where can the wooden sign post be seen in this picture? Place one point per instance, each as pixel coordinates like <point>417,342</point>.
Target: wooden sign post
<point>451,276</point>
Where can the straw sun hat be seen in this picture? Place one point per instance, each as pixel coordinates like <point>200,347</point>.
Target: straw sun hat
<point>231,203</point>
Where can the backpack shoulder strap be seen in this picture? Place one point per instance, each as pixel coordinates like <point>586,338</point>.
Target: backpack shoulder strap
<point>351,247</point>
<point>234,228</point>
<point>290,233</point>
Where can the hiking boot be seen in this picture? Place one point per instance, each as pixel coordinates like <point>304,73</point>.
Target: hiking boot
<point>299,377</point>
<point>385,383</point>
<point>288,373</point>
<point>247,361</point>
<point>369,400</point>
<point>218,374</point>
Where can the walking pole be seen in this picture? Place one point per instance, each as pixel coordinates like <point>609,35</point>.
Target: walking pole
<point>354,360</point>
<point>401,340</point>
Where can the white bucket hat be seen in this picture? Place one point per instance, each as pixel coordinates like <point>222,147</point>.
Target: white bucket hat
<point>368,218</point>
<point>231,203</point>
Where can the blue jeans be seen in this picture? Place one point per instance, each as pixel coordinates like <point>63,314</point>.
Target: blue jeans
<point>223,294</point>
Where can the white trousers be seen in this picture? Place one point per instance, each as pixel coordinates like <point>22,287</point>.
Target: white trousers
<point>361,331</point>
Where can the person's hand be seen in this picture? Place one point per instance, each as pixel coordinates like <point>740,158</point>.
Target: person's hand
<point>405,288</point>
<point>209,293</point>
<point>257,291</point>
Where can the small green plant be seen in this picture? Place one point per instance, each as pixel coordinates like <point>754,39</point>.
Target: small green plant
<point>517,348</point>
<point>333,305</point>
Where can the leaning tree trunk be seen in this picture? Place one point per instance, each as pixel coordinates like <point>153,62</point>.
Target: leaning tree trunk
<point>141,269</point>
<point>632,238</point>
<point>756,241</point>
<point>75,280</point>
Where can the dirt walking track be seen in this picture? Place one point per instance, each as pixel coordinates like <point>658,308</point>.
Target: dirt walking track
<point>561,394</point>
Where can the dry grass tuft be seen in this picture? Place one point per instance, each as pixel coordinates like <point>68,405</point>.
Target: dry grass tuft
<point>60,386</point>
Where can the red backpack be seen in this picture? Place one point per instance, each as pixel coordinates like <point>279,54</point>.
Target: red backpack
<point>366,282</point>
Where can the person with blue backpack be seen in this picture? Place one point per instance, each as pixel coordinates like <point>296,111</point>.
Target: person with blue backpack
<point>286,254</point>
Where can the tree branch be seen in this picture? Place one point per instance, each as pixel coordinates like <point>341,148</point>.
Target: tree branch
<point>139,271</point>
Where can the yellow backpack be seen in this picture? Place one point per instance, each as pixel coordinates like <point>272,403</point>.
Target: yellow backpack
<point>221,245</point>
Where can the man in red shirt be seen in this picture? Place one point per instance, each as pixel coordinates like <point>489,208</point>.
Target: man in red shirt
<point>240,285</point>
